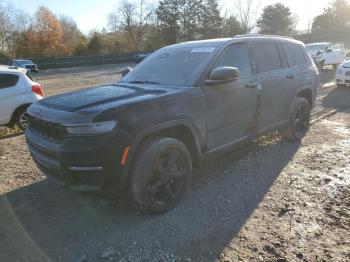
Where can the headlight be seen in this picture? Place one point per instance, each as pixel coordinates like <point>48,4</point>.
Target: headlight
<point>91,128</point>
<point>339,70</point>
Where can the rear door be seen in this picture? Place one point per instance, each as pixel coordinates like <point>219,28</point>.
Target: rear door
<point>11,95</point>
<point>231,106</point>
<point>276,81</point>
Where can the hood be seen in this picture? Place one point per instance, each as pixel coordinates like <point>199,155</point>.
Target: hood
<point>101,95</point>
<point>346,64</point>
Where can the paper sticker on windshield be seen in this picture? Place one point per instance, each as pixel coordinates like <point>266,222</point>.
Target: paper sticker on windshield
<point>203,50</point>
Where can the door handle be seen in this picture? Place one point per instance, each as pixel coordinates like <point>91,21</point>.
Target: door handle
<point>253,85</point>
<point>290,76</point>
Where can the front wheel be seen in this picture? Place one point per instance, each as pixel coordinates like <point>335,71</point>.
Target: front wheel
<point>299,120</point>
<point>161,174</point>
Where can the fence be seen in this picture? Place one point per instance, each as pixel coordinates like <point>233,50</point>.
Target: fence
<point>77,61</point>
<point>333,38</point>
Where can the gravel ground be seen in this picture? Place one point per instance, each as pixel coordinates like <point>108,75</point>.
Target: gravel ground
<point>270,201</point>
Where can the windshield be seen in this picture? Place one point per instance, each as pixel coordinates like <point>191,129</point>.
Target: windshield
<point>180,66</point>
<point>26,62</point>
<point>314,48</point>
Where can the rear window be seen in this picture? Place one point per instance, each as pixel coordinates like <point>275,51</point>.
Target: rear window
<point>29,76</point>
<point>267,57</point>
<point>8,80</point>
<point>294,54</point>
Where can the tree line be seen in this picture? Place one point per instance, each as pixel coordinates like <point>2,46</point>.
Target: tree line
<point>138,25</point>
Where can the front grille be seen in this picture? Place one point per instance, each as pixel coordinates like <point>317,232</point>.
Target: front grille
<point>347,81</point>
<point>50,130</point>
<point>347,73</point>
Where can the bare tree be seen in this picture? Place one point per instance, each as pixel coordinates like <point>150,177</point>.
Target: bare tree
<point>134,18</point>
<point>247,11</point>
<point>113,22</point>
<point>7,14</point>
<point>71,33</point>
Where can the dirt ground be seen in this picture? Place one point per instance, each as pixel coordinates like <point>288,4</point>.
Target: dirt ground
<point>270,201</point>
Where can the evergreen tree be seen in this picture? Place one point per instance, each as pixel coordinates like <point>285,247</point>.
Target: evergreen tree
<point>179,20</point>
<point>232,27</point>
<point>276,19</point>
<point>335,18</point>
<point>211,21</point>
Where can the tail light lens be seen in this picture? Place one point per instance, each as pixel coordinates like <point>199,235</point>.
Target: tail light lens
<point>37,90</point>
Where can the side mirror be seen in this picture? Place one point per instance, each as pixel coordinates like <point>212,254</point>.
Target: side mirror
<point>348,54</point>
<point>126,71</point>
<point>222,75</point>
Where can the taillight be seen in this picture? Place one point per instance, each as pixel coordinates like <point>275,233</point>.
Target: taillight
<point>37,90</point>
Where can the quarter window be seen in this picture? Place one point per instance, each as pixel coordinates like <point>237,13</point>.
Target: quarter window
<point>237,56</point>
<point>294,54</point>
<point>267,57</point>
<point>8,80</point>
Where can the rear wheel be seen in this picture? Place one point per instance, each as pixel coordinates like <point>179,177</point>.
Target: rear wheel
<point>161,174</point>
<point>299,120</point>
<point>22,119</point>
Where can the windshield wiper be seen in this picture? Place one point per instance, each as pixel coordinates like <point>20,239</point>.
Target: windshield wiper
<point>144,82</point>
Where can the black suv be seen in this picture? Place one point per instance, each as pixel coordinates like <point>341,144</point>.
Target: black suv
<point>182,103</point>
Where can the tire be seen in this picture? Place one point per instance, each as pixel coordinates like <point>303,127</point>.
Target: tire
<point>22,119</point>
<point>299,120</point>
<point>321,66</point>
<point>161,174</point>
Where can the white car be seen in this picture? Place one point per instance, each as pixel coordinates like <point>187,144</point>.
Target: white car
<point>18,90</point>
<point>327,53</point>
<point>342,76</point>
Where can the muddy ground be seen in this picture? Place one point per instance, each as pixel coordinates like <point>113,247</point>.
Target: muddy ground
<point>270,201</point>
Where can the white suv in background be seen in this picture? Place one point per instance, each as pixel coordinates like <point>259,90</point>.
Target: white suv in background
<point>18,90</point>
<point>327,53</point>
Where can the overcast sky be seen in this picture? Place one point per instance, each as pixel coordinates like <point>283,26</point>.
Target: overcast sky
<point>92,14</point>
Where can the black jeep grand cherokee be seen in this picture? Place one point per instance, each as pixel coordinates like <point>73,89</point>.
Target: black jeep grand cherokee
<point>182,103</point>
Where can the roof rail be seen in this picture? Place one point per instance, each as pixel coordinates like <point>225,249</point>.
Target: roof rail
<point>261,35</point>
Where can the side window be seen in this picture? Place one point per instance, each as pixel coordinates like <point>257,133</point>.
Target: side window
<point>267,57</point>
<point>237,56</point>
<point>8,80</point>
<point>294,54</point>
<point>338,47</point>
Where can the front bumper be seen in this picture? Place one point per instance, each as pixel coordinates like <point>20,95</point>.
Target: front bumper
<point>342,80</point>
<point>88,164</point>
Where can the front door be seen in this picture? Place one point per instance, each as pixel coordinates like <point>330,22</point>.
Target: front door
<point>231,107</point>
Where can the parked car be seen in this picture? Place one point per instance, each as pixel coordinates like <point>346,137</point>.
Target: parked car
<point>327,53</point>
<point>26,64</point>
<point>139,57</point>
<point>18,90</point>
<point>347,57</point>
<point>125,71</point>
<point>342,75</point>
<point>182,104</point>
